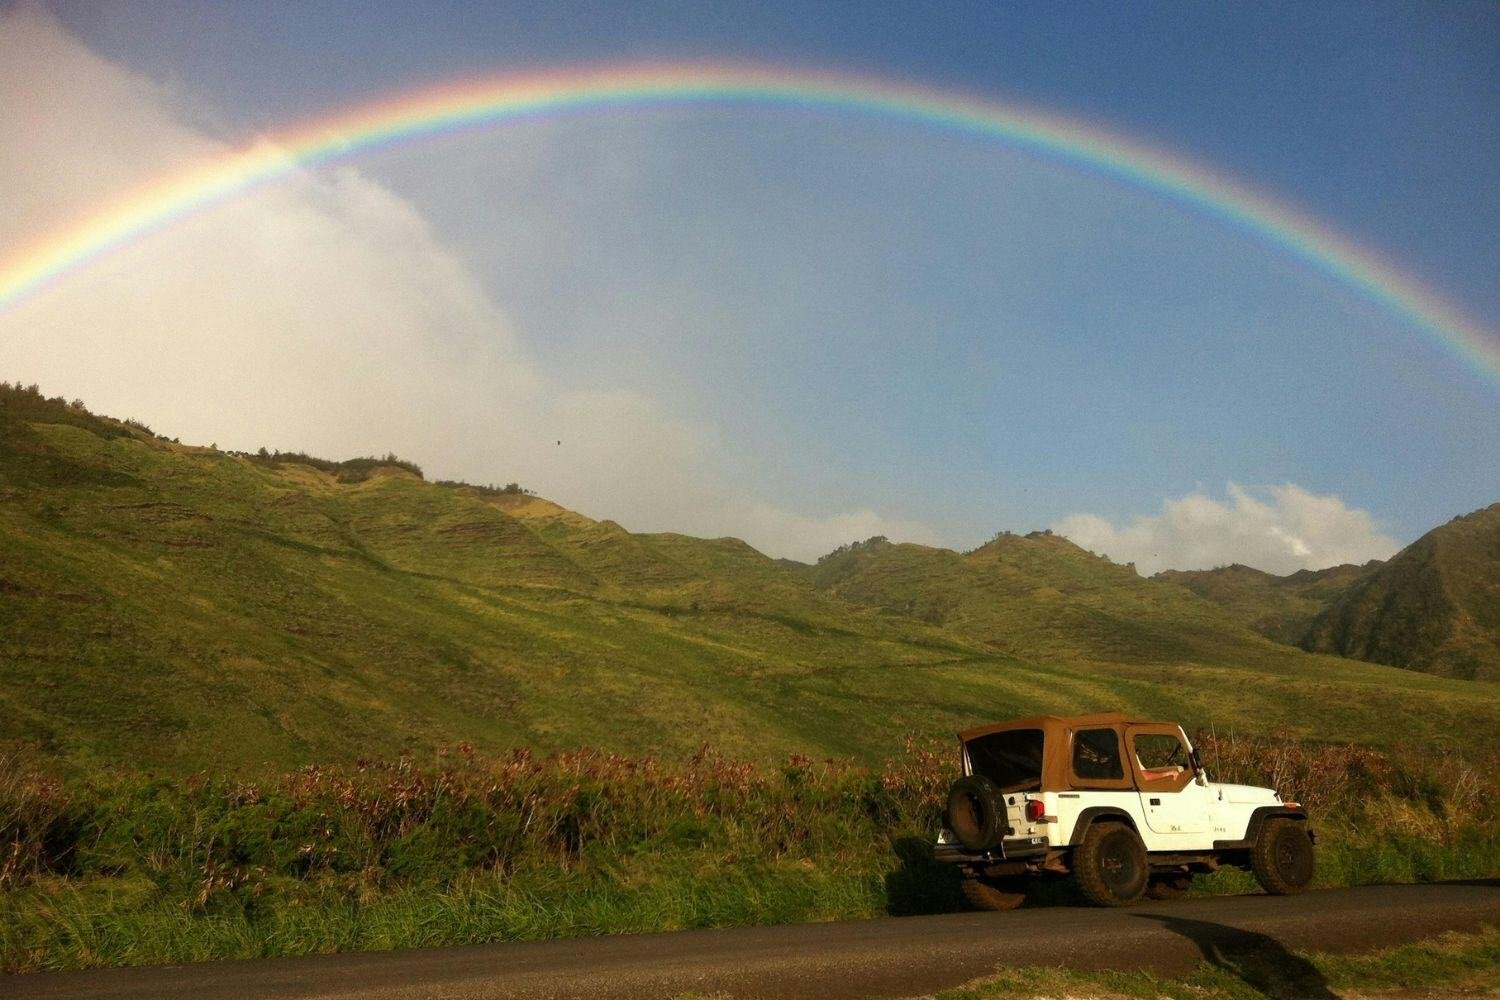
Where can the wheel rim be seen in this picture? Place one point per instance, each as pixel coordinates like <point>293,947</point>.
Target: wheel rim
<point>1293,857</point>
<point>1117,864</point>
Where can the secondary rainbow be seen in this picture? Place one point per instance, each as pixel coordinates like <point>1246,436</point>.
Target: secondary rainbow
<point>495,101</point>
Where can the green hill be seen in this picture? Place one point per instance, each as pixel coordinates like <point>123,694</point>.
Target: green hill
<point>176,607</point>
<point>1434,607</point>
<point>1278,607</point>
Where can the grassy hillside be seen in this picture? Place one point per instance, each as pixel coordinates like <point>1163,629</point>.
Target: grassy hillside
<point>176,607</point>
<point>1434,607</point>
<point>1280,608</point>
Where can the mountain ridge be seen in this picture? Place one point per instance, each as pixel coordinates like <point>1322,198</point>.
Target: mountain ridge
<point>1432,607</point>
<point>1282,608</point>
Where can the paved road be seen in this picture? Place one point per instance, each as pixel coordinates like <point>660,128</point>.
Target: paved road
<point>888,957</point>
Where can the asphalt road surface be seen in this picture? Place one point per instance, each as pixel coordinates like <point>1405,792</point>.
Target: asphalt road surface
<point>869,958</point>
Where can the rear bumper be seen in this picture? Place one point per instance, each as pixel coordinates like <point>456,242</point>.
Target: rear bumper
<point>1009,849</point>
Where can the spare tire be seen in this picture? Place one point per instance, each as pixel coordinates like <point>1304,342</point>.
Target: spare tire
<point>975,813</point>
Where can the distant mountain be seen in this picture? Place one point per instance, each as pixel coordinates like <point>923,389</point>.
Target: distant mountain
<point>174,607</point>
<point>1037,595</point>
<point>1434,607</point>
<point>1278,607</point>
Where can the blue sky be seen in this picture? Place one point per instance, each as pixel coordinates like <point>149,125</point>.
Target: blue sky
<point>857,315</point>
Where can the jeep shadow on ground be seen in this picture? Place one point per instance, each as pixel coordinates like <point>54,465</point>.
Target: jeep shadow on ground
<point>920,884</point>
<point>1258,960</point>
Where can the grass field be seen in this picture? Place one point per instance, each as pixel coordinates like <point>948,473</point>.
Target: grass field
<point>1448,965</point>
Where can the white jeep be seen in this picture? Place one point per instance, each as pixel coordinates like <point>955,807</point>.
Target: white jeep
<point>1125,807</point>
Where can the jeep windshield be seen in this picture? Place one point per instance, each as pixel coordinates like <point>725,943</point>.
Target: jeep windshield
<point>1012,758</point>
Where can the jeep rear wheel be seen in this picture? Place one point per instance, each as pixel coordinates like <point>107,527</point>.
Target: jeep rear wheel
<point>995,894</point>
<point>1168,886</point>
<point>1282,857</point>
<point>1110,865</point>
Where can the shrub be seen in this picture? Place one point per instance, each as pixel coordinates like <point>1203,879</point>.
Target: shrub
<point>350,470</point>
<point>509,489</point>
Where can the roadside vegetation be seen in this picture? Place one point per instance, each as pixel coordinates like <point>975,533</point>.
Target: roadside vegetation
<point>464,847</point>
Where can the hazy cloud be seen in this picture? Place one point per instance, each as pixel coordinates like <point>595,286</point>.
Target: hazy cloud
<point>1290,529</point>
<point>323,314</point>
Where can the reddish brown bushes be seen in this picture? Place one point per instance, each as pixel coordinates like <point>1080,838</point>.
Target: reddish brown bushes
<point>399,822</point>
<point>40,823</point>
<point>1338,778</point>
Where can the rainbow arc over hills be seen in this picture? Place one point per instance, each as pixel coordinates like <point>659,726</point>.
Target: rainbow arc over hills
<point>489,102</point>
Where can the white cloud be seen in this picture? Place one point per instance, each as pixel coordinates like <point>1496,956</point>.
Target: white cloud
<point>322,314</point>
<point>1290,530</point>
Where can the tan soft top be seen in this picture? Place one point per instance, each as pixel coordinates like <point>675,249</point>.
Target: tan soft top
<point>1058,724</point>
<point>1057,731</point>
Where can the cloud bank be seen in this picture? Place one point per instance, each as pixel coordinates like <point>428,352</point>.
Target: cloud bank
<point>325,315</point>
<point>1291,529</point>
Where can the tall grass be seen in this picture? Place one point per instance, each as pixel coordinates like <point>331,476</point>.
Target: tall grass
<point>1412,814</point>
<point>465,847</point>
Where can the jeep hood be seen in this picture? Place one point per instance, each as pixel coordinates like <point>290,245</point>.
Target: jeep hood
<point>1247,794</point>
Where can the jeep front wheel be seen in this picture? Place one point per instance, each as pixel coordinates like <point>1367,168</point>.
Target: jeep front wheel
<point>1282,857</point>
<point>1110,865</point>
<point>995,894</point>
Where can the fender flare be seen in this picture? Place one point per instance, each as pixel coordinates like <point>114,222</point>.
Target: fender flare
<point>1094,813</point>
<point>1258,818</point>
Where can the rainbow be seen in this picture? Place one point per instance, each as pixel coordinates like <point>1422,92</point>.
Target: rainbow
<point>490,102</point>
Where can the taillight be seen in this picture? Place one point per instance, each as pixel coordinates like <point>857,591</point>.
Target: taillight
<point>1035,810</point>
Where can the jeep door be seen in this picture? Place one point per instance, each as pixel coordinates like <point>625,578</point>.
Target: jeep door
<point>1173,802</point>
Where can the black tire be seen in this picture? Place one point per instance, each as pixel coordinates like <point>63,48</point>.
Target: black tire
<point>995,894</point>
<point>1168,886</point>
<point>1110,865</point>
<point>975,813</point>
<point>1282,857</point>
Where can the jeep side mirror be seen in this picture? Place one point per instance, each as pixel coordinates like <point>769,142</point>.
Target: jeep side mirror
<point>1197,763</point>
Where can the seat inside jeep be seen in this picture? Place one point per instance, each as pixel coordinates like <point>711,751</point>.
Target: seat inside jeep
<point>1159,756</point>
